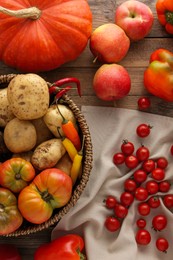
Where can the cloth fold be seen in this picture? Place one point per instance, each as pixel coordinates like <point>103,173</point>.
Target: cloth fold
<point>109,126</point>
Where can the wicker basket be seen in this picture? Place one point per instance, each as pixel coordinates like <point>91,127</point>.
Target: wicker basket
<point>29,228</point>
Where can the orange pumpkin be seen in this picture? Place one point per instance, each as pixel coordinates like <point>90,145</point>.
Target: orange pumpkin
<point>43,34</point>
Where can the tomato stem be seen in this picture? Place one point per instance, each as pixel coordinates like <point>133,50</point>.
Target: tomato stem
<point>169,17</point>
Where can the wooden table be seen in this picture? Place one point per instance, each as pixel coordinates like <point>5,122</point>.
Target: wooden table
<point>84,69</point>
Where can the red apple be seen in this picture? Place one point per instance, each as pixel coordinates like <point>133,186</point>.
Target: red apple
<point>111,82</point>
<point>135,18</point>
<point>109,43</point>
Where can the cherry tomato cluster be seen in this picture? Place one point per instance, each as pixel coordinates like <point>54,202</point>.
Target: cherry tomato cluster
<point>145,183</point>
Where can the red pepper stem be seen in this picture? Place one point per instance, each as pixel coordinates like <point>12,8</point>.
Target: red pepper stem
<point>61,82</point>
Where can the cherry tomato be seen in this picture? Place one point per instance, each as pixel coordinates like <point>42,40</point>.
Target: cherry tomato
<point>130,185</point>
<point>143,237</point>
<point>154,202</point>
<point>158,174</point>
<point>144,209</point>
<point>171,149</point>
<point>112,224</point>
<point>126,198</point>
<point>144,103</point>
<point>118,158</point>
<point>140,175</point>
<point>152,187</point>
<point>162,244</point>
<point>162,162</point>
<point>148,165</point>
<point>110,202</point>
<point>141,223</point>
<point>164,186</point>
<point>168,201</point>
<point>120,210</point>
<point>159,222</point>
<point>142,153</point>
<point>141,194</point>
<point>143,130</point>
<point>131,161</point>
<point>127,148</point>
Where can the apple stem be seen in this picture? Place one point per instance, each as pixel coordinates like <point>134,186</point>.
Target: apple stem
<point>94,61</point>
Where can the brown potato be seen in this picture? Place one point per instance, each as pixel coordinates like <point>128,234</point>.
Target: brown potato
<point>20,135</point>
<point>25,155</point>
<point>43,132</point>
<point>64,164</point>
<point>28,96</point>
<point>47,154</point>
<point>5,111</point>
<point>53,119</point>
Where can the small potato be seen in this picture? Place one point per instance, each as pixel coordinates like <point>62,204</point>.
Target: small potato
<point>20,135</point>
<point>53,119</point>
<point>64,164</point>
<point>47,154</point>
<point>5,111</point>
<point>43,132</point>
<point>28,96</point>
<point>25,155</point>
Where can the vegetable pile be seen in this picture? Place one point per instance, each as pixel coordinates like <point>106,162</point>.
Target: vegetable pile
<point>42,150</point>
<point>147,186</point>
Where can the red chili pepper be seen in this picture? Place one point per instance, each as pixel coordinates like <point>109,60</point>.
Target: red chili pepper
<point>55,87</point>
<point>61,82</point>
<point>63,248</point>
<point>62,92</point>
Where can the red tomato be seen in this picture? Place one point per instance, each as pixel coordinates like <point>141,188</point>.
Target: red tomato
<point>154,202</point>
<point>126,198</point>
<point>16,173</point>
<point>148,165</point>
<point>50,189</point>
<point>127,148</point>
<point>144,103</point>
<point>111,201</point>
<point>162,244</point>
<point>143,237</point>
<point>141,194</point>
<point>158,174</point>
<point>164,186</point>
<point>130,185</point>
<point>162,162</point>
<point>168,201</point>
<point>152,187</point>
<point>140,175</point>
<point>159,222</point>
<point>112,224</point>
<point>144,209</point>
<point>131,161</point>
<point>142,153</point>
<point>120,211</point>
<point>118,158</point>
<point>9,252</point>
<point>143,130</point>
<point>10,217</point>
<point>141,223</point>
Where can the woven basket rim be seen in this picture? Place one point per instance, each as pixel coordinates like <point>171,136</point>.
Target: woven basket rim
<point>87,166</point>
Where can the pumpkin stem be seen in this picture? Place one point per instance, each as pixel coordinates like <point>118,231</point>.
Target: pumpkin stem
<point>31,12</point>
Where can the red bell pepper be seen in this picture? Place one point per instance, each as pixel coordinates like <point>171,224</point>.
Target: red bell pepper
<point>158,77</point>
<point>164,10</point>
<point>9,252</point>
<point>67,247</point>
